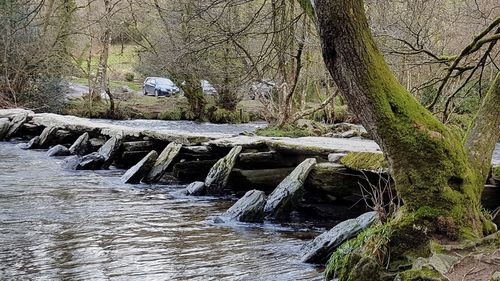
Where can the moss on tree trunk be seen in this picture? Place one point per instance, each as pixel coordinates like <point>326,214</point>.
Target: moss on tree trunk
<point>435,174</point>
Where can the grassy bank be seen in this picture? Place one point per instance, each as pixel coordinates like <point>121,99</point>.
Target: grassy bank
<point>134,105</point>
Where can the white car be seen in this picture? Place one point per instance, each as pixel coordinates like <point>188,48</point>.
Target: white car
<point>208,89</point>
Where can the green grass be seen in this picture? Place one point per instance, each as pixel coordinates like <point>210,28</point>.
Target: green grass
<point>287,131</point>
<point>114,84</point>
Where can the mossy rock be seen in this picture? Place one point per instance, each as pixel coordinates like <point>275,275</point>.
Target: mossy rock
<point>423,274</point>
<point>366,269</point>
<point>357,259</point>
<point>365,161</point>
<point>495,172</point>
<point>285,131</point>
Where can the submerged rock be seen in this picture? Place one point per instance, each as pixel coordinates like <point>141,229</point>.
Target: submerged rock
<point>81,145</point>
<point>289,192</point>
<point>320,249</point>
<point>58,150</point>
<point>218,176</point>
<point>16,123</point>
<point>71,163</point>
<point>196,188</point>
<point>163,162</point>
<point>92,161</point>
<point>4,127</point>
<point>110,150</point>
<point>250,208</point>
<point>137,172</point>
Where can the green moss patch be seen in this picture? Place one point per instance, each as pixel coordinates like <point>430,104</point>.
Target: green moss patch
<point>496,172</point>
<point>423,274</point>
<point>369,247</point>
<point>285,131</point>
<point>365,161</point>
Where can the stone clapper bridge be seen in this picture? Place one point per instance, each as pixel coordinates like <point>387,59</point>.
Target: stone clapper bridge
<point>277,178</point>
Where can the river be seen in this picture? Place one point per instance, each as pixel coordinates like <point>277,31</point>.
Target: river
<point>64,225</point>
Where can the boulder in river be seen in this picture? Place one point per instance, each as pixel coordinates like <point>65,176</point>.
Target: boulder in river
<point>141,169</point>
<point>319,250</point>
<point>218,176</point>
<point>92,161</point>
<point>110,150</point>
<point>4,127</point>
<point>58,150</point>
<point>288,193</point>
<point>16,123</point>
<point>32,144</point>
<point>250,208</point>
<point>81,145</point>
<point>46,137</point>
<point>163,162</point>
<point>196,188</point>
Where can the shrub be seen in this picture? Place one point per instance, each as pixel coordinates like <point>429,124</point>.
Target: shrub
<point>175,114</point>
<point>220,115</point>
<point>129,77</point>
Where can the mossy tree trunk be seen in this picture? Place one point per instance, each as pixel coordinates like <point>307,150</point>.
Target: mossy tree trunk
<point>439,176</point>
<point>195,96</point>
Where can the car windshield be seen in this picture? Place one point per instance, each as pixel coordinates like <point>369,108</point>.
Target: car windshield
<point>164,82</point>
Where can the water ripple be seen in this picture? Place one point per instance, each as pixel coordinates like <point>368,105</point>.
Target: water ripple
<point>60,225</point>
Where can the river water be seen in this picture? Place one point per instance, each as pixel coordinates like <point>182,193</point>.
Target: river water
<point>64,225</point>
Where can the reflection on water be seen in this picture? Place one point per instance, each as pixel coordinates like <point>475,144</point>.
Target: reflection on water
<point>61,225</point>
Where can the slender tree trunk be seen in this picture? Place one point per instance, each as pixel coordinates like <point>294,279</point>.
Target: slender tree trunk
<point>434,174</point>
<point>101,79</point>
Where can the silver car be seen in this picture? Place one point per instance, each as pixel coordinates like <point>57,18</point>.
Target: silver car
<point>158,86</point>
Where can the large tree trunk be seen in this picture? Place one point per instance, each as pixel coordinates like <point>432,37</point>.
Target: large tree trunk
<point>434,174</point>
